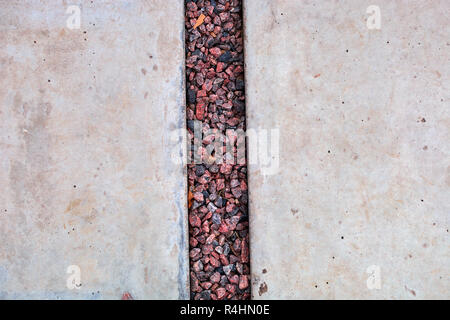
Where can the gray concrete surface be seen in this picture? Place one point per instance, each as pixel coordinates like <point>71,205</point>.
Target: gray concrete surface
<point>85,175</point>
<point>359,207</point>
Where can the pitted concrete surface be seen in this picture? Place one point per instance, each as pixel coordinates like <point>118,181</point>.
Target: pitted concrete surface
<point>359,207</point>
<point>86,176</point>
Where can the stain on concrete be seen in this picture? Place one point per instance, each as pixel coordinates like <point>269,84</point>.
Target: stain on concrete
<point>262,288</point>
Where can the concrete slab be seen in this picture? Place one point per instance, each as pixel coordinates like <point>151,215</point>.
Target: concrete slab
<point>359,205</point>
<point>86,117</point>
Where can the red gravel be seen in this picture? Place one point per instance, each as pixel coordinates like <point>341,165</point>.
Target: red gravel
<point>218,212</point>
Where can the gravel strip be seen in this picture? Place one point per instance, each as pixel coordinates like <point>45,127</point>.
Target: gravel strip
<point>218,211</point>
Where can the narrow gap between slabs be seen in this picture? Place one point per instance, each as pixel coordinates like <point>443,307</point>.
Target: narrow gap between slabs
<point>217,170</point>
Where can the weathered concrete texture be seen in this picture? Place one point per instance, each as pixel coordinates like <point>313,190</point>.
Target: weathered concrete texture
<point>364,175</point>
<point>85,173</point>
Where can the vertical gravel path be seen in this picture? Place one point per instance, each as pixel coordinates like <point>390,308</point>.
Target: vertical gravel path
<point>218,211</point>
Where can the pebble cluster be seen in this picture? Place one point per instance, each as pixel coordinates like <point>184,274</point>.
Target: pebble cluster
<point>218,216</point>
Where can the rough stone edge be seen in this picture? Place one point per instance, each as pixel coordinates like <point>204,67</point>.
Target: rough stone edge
<point>183,254</point>
<point>247,151</point>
